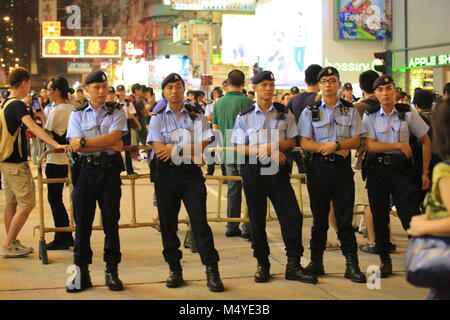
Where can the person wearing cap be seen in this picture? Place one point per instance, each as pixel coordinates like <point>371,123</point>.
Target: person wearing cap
<point>95,132</point>
<point>111,97</point>
<point>388,164</point>
<point>265,133</point>
<point>179,133</point>
<point>294,91</point>
<point>132,122</point>
<point>225,113</point>
<point>138,99</point>
<point>347,93</point>
<point>329,129</point>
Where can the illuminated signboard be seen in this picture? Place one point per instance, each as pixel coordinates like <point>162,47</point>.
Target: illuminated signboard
<point>423,62</point>
<point>51,28</point>
<point>215,5</point>
<point>81,47</point>
<point>364,20</point>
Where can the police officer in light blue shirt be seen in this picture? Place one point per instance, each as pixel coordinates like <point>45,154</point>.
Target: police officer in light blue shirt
<point>265,134</point>
<point>179,133</point>
<point>95,132</point>
<point>388,164</point>
<point>329,129</point>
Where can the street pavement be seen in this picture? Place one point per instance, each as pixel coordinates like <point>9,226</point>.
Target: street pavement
<point>144,271</point>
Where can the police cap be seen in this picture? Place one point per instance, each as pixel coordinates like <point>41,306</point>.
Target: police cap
<point>383,81</point>
<point>348,86</point>
<point>294,90</point>
<point>263,76</point>
<point>171,78</point>
<point>111,90</point>
<point>120,87</point>
<point>96,77</point>
<point>328,72</point>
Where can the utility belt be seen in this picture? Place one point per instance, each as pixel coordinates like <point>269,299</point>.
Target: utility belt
<point>103,160</point>
<point>333,159</point>
<point>397,162</point>
<point>160,165</point>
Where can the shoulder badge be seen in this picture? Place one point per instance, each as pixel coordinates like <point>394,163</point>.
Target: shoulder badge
<point>111,106</point>
<point>373,109</point>
<point>345,107</point>
<point>82,107</point>
<point>248,110</point>
<point>281,110</point>
<point>193,110</point>
<point>403,108</point>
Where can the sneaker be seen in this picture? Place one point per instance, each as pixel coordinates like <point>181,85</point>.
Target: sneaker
<point>17,243</point>
<point>14,251</point>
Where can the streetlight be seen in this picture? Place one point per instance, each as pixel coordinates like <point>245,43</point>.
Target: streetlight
<point>6,18</point>
<point>11,51</point>
<point>17,59</point>
<point>9,39</point>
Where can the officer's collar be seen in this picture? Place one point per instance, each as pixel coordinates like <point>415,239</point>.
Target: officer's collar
<point>325,105</point>
<point>91,107</point>
<point>382,112</point>
<point>258,109</point>
<point>168,109</point>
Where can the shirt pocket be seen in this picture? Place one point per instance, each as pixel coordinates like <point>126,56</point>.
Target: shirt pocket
<point>89,129</point>
<point>170,134</point>
<point>279,126</point>
<point>382,131</point>
<point>343,124</point>
<point>401,130</point>
<point>321,130</point>
<point>257,136</point>
<point>105,124</point>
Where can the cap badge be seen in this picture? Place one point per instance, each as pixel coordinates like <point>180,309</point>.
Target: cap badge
<point>330,71</point>
<point>176,77</point>
<point>386,80</point>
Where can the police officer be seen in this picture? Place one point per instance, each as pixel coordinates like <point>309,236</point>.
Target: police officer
<point>265,133</point>
<point>329,129</point>
<point>179,133</point>
<point>388,165</point>
<point>95,131</point>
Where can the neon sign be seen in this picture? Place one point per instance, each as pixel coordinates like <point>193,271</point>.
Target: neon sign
<point>81,47</point>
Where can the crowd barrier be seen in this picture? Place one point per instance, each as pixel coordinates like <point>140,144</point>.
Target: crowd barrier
<point>189,240</point>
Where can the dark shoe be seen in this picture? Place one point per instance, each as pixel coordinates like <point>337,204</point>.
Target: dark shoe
<point>352,270</point>
<point>175,279</point>
<point>214,282</point>
<point>85,283</point>
<point>393,247</point>
<point>263,273</point>
<point>113,282</point>
<point>294,271</point>
<point>233,233</point>
<point>385,266</point>
<point>315,267</point>
<point>247,236</point>
<point>369,248</point>
<point>58,245</point>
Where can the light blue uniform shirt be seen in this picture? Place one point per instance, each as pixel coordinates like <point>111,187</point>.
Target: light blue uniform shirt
<point>257,127</point>
<point>382,127</point>
<point>178,130</point>
<point>90,123</point>
<point>333,124</point>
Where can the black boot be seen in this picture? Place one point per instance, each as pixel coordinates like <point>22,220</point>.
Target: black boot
<point>263,273</point>
<point>84,281</point>
<point>294,271</point>
<point>112,280</point>
<point>58,243</point>
<point>175,278</point>
<point>352,270</point>
<point>386,265</point>
<point>214,282</point>
<point>315,267</point>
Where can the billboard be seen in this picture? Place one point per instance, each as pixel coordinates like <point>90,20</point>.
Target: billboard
<point>364,19</point>
<point>81,47</point>
<point>214,5</point>
<point>288,39</point>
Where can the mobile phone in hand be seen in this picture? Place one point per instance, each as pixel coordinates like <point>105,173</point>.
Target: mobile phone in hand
<point>36,105</point>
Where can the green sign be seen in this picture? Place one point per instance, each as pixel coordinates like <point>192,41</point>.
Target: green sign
<point>424,62</point>
<point>353,66</point>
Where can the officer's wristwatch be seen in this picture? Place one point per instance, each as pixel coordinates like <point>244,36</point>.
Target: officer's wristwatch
<point>338,146</point>
<point>82,142</point>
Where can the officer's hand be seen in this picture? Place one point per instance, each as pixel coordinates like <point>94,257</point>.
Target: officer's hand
<point>327,148</point>
<point>67,148</point>
<point>279,157</point>
<point>165,154</point>
<point>417,227</point>
<point>118,146</point>
<point>406,150</point>
<point>425,182</point>
<point>75,144</point>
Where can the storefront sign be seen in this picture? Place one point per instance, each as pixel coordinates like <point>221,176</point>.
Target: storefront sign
<point>431,61</point>
<point>81,47</point>
<point>215,5</point>
<point>51,28</point>
<point>353,66</point>
<point>48,10</point>
<point>79,67</point>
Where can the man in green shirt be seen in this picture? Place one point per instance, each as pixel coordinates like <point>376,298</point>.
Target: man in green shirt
<point>225,113</point>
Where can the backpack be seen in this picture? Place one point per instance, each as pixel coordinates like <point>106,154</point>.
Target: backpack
<point>6,139</point>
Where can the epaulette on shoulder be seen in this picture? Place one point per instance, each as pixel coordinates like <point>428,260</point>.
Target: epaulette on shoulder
<point>282,111</point>
<point>316,105</point>
<point>190,107</point>
<point>346,104</point>
<point>403,107</point>
<point>162,109</point>
<point>373,109</point>
<point>82,107</point>
<point>248,110</point>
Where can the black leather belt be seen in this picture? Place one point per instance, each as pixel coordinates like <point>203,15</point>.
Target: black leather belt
<point>91,160</point>
<point>390,159</point>
<point>332,157</point>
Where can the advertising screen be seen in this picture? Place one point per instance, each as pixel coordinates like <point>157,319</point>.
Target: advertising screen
<point>289,39</point>
<point>364,19</point>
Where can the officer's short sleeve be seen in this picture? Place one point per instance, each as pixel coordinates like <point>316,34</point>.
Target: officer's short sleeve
<point>154,132</point>
<point>119,122</point>
<point>292,128</point>
<point>206,133</point>
<point>368,127</point>
<point>357,127</point>
<point>419,127</point>
<point>74,129</point>
<point>239,135</point>
<point>305,125</point>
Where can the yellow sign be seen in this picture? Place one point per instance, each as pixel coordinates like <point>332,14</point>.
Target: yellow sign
<point>81,47</point>
<point>51,29</point>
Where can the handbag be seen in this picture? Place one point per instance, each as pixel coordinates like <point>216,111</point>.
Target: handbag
<point>428,262</point>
